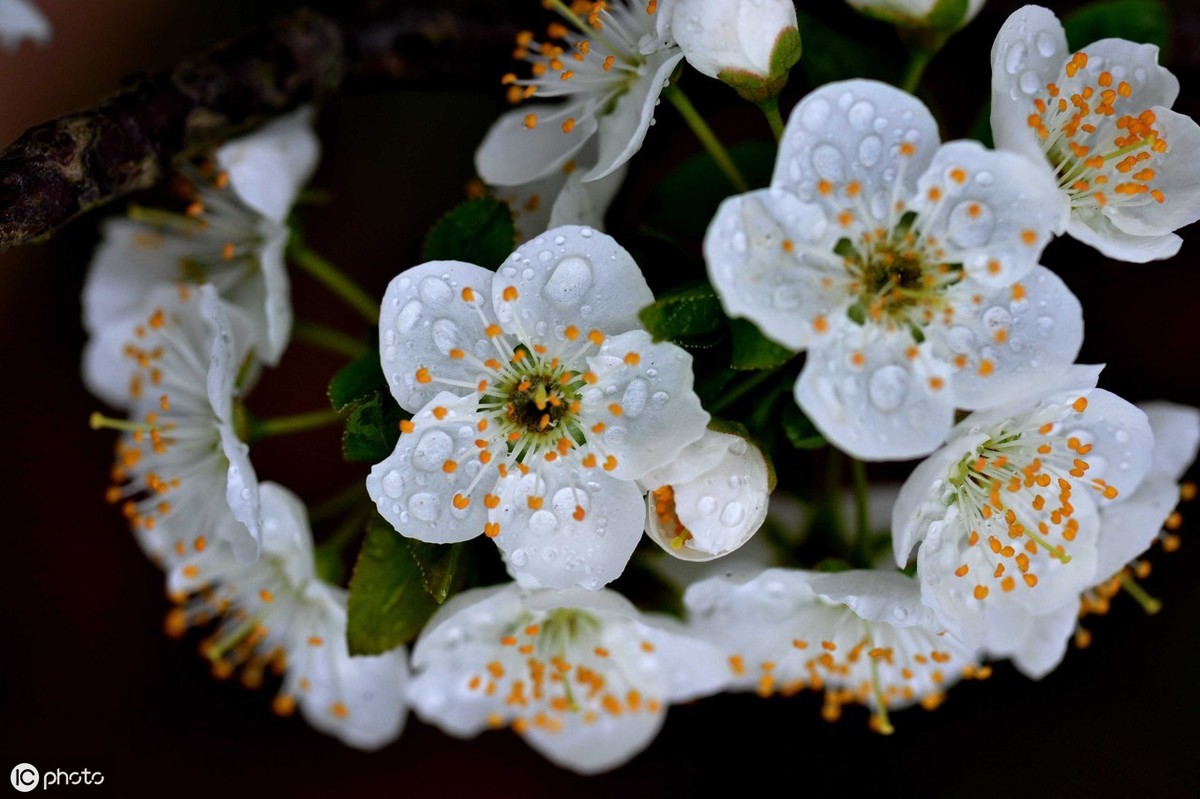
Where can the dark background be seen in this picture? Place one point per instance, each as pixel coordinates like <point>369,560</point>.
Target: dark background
<point>87,679</point>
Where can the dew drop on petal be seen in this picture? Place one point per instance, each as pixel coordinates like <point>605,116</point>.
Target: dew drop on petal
<point>446,335</point>
<point>519,557</point>
<point>1029,82</point>
<point>887,387</point>
<point>1014,59</point>
<point>569,281</point>
<point>869,150</point>
<point>971,224</point>
<point>828,162</point>
<point>432,451</point>
<point>393,484</point>
<point>733,514</point>
<point>996,318</point>
<point>410,314</point>
<point>435,291</point>
<point>424,506</point>
<point>815,114</point>
<point>960,339</point>
<point>707,505</point>
<point>659,399</point>
<point>543,522</point>
<point>1046,44</point>
<point>634,400</point>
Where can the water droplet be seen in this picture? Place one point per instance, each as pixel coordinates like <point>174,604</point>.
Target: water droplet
<point>887,387</point>
<point>424,506</point>
<point>518,557</point>
<point>1014,59</point>
<point>869,150</point>
<point>960,339</point>
<point>659,399</point>
<point>586,232</point>
<point>409,316</point>
<point>549,554</point>
<point>900,613</point>
<point>543,522</point>
<point>1046,44</point>
<point>861,115</point>
<point>435,291</point>
<point>984,178</point>
<point>972,224</point>
<point>733,514</point>
<point>1045,324</point>
<point>828,162</point>
<point>432,451</point>
<point>569,281</point>
<point>738,242</point>
<point>393,484</point>
<point>634,400</point>
<point>738,447</point>
<point>1029,82</point>
<point>707,505</point>
<point>445,335</point>
<point>1122,436</point>
<point>815,113</point>
<point>1139,74</point>
<point>996,318</point>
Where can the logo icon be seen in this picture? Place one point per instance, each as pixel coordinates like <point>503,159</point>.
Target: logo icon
<point>24,777</point>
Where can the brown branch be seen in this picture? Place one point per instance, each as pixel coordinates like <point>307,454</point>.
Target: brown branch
<point>67,166</point>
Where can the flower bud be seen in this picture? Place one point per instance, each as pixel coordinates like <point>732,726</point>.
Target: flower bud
<point>941,15</point>
<point>748,44</point>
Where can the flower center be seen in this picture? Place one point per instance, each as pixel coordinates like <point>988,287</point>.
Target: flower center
<point>898,275</point>
<point>1015,494</point>
<point>1100,157</point>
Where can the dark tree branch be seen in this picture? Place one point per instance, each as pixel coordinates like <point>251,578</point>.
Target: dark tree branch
<point>67,166</point>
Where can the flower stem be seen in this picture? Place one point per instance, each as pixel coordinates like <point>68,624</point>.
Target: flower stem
<point>1135,590</point>
<point>330,339</point>
<point>770,109</point>
<point>294,423</point>
<point>919,57</point>
<point>333,279</point>
<point>704,133</point>
<point>733,395</point>
<point>862,530</point>
<point>340,502</point>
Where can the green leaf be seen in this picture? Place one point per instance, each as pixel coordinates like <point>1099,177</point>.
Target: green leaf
<point>479,231</point>
<point>688,312</point>
<point>686,200</point>
<point>753,350</point>
<point>439,566</point>
<point>357,381</point>
<point>388,602</point>
<point>1143,21</point>
<point>830,55</point>
<point>799,429</point>
<point>372,429</point>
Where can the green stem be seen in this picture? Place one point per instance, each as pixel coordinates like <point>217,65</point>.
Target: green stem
<point>347,531</point>
<point>1135,590</point>
<point>330,339</point>
<point>704,133</point>
<point>744,388</point>
<point>295,423</point>
<point>862,531</point>
<point>770,109</point>
<point>833,492</point>
<point>334,280</point>
<point>919,57</point>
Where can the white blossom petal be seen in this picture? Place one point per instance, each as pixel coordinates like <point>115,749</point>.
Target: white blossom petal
<point>876,395</point>
<point>1028,54</point>
<point>268,167</point>
<point>1177,176</point>
<point>20,20</point>
<point>1036,644</point>
<point>622,130</point>
<point>1098,231</point>
<point>419,487</point>
<point>512,153</point>
<point>1176,430</point>
<point>570,276</point>
<point>1038,326</point>
<point>427,322</point>
<point>558,545</point>
<point>643,396</point>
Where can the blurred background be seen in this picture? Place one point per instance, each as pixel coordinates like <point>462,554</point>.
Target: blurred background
<point>88,680</point>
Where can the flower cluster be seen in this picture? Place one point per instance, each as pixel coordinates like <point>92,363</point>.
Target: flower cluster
<point>554,406</point>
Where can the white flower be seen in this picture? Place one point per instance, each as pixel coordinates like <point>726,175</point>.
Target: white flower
<point>1099,122</point>
<point>20,20</point>
<point>940,14</point>
<point>552,402</point>
<point>610,72</point>
<point>582,676</point>
<point>907,270</point>
<point>1008,512</point>
<point>233,237</point>
<point>562,198</point>
<point>182,475</point>
<point>742,42</point>
<point>709,500</point>
<point>276,613</point>
<point>861,636</point>
<point>1037,642</point>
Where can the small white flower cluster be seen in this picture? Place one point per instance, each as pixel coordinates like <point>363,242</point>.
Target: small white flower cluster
<point>182,312</point>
